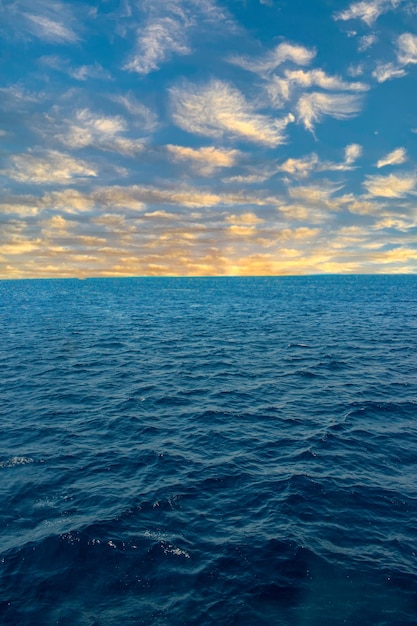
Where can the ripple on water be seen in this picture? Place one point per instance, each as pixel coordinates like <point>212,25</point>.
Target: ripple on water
<point>209,451</point>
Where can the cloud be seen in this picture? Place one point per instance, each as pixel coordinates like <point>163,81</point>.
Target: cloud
<point>406,54</point>
<point>22,205</point>
<point>316,195</point>
<point>156,43</point>
<point>352,153</point>
<point>101,131</point>
<point>81,73</point>
<point>143,115</point>
<point>280,88</point>
<point>399,254</point>
<point>258,177</point>
<point>248,218</point>
<point>304,166</point>
<point>387,71</point>
<point>396,157</point>
<point>364,207</point>
<point>50,21</point>
<point>19,246</point>
<point>394,223</point>
<point>320,79</point>
<point>367,11</point>
<point>68,201</point>
<point>186,196</point>
<point>86,72</point>
<point>168,28</point>
<point>299,167</point>
<point>205,160</point>
<point>15,97</point>
<point>138,197</point>
<point>366,42</point>
<point>217,109</point>
<point>120,210</point>
<point>51,30</point>
<point>243,225</point>
<point>48,167</point>
<point>279,91</point>
<point>355,70</point>
<point>284,52</point>
<point>311,107</point>
<point>407,49</point>
<point>390,186</point>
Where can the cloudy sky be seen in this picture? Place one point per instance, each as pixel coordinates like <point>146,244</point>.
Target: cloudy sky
<point>199,137</point>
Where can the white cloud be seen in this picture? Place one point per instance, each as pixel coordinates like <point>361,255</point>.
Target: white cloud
<point>367,11</point>
<point>51,30</point>
<point>407,49</point>
<point>284,52</point>
<point>181,195</point>
<point>390,186</point>
<point>84,72</point>
<point>156,42</point>
<point>387,71</point>
<point>311,107</point>
<point>355,70</point>
<point>48,167</point>
<point>254,174</point>
<point>366,42</point>
<point>319,78</point>
<point>205,160</point>
<point>406,54</point>
<point>317,195</point>
<point>217,108</point>
<point>396,157</point>
<point>68,200</point>
<point>103,132</point>
<point>168,27</point>
<point>248,218</point>
<point>352,153</point>
<point>394,223</point>
<point>281,89</point>
<point>16,95</point>
<point>143,115</point>
<point>49,21</point>
<point>299,167</point>
<point>304,166</point>
<point>365,207</point>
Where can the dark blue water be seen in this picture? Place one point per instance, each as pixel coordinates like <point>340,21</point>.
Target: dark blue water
<point>207,451</point>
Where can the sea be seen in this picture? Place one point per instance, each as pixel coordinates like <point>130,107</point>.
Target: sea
<point>231,451</point>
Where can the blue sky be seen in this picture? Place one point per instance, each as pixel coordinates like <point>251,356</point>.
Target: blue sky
<point>195,137</point>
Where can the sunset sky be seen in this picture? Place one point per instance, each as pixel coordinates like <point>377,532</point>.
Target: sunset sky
<point>200,137</point>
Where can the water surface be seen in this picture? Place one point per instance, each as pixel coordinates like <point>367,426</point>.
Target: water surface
<point>209,451</point>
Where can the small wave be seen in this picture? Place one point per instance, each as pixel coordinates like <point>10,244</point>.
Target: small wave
<point>252,464</point>
<point>16,460</point>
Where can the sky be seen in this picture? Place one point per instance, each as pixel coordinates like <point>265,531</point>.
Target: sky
<point>204,137</point>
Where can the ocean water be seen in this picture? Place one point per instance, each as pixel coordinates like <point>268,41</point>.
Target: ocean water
<point>209,451</point>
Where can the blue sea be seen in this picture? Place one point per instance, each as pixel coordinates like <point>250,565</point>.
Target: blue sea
<point>209,451</point>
